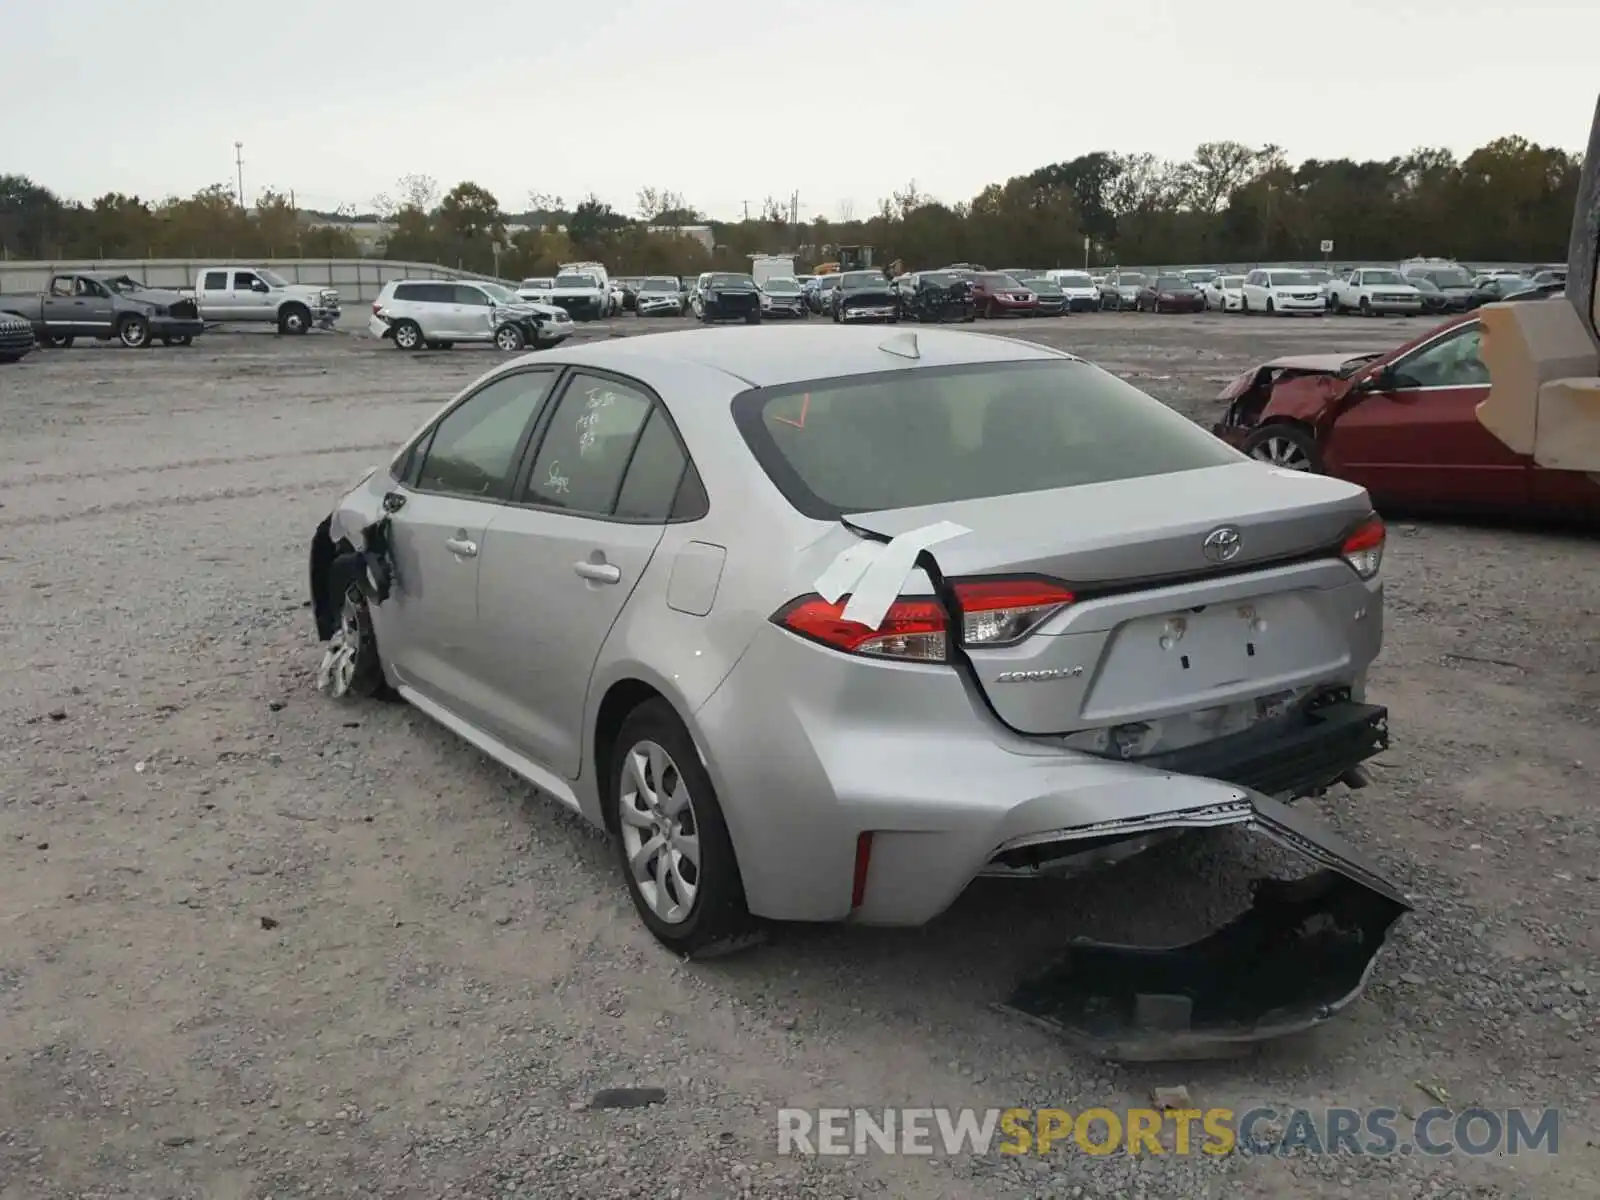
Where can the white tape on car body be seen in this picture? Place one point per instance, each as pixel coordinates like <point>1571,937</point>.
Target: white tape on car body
<point>877,589</point>
<point>845,571</point>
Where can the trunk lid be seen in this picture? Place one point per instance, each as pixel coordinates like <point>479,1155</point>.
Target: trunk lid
<point>1159,626</point>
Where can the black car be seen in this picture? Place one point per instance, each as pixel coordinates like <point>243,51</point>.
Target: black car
<point>16,337</point>
<point>1445,289</point>
<point>936,297</point>
<point>1052,297</point>
<point>865,296</point>
<point>729,297</point>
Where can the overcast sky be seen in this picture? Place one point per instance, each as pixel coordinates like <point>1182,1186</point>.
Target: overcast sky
<point>728,101</point>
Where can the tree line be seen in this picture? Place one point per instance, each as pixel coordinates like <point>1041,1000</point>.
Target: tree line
<point>1510,200</point>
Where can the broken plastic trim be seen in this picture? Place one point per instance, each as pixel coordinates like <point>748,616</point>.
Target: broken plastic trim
<point>370,569</point>
<point>1301,954</point>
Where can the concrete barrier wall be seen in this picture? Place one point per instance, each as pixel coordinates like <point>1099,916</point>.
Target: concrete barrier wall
<point>357,279</point>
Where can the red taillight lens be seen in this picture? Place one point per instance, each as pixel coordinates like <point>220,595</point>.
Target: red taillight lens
<point>912,630</point>
<point>999,612</point>
<point>994,612</point>
<point>1363,548</point>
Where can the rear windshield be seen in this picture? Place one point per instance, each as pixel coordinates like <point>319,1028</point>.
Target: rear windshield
<point>1171,283</point>
<point>940,434</point>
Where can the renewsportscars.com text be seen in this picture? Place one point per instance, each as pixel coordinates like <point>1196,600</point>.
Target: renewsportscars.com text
<point>1215,1131</point>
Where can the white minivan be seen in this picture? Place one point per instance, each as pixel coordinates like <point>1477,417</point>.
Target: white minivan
<point>1281,290</point>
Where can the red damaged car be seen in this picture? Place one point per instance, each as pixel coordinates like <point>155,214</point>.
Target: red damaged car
<point>1403,425</point>
<point>1170,293</point>
<point>997,295</point>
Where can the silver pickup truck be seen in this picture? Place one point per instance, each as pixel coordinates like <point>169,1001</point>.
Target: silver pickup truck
<point>256,294</point>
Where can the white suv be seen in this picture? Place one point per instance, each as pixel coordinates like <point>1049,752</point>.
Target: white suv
<point>437,313</point>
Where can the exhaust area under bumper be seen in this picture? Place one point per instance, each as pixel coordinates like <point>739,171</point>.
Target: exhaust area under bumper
<point>1299,955</point>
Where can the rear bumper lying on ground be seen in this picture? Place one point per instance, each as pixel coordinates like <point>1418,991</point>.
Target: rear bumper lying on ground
<point>1301,954</point>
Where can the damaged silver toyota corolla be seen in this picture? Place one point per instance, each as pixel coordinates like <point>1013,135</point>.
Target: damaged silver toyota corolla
<point>823,624</point>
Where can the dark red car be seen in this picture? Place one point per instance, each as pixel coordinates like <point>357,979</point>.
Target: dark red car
<point>997,295</point>
<point>1170,293</point>
<point>1404,425</point>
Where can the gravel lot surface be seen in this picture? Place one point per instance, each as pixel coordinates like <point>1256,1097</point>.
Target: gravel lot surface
<point>255,944</point>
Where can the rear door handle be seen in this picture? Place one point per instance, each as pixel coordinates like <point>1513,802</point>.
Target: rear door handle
<point>461,547</point>
<point>598,572</point>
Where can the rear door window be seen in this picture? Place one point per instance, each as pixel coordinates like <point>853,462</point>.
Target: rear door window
<point>940,434</point>
<point>588,445</point>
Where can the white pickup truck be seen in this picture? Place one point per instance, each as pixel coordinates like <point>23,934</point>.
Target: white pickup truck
<point>1370,290</point>
<point>255,294</point>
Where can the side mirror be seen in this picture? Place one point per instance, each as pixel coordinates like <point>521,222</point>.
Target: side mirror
<point>258,286</point>
<point>1384,379</point>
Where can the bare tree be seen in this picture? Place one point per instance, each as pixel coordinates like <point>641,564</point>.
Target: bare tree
<point>419,192</point>
<point>544,202</point>
<point>847,211</point>
<point>652,202</point>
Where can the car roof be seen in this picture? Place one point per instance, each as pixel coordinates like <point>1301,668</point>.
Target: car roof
<point>771,357</point>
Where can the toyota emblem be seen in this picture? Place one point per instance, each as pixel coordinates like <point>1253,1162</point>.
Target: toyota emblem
<point>1222,545</point>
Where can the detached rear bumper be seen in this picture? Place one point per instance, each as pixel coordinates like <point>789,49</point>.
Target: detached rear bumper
<point>1301,954</point>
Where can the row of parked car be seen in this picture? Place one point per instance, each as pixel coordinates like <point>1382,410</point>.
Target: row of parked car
<point>1421,285</point>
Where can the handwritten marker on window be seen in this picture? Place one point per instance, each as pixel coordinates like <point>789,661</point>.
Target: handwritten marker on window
<point>798,422</point>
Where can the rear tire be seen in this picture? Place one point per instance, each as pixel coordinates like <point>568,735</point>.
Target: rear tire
<point>658,794</point>
<point>57,342</point>
<point>407,335</point>
<point>184,340</point>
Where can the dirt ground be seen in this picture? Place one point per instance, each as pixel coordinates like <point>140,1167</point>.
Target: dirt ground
<point>255,944</point>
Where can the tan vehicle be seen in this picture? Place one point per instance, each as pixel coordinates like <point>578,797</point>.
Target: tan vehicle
<point>1544,358</point>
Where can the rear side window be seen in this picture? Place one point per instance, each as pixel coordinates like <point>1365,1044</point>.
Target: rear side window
<point>654,473</point>
<point>935,435</point>
<point>216,281</point>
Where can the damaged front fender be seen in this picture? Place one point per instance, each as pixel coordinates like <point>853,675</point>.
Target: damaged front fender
<point>1302,953</point>
<point>336,566</point>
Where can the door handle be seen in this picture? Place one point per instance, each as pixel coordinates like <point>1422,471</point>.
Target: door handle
<point>598,572</point>
<point>461,547</point>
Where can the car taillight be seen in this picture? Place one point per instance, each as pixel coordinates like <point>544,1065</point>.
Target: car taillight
<point>1363,548</point>
<point>914,630</point>
<point>994,612</point>
<point>998,612</point>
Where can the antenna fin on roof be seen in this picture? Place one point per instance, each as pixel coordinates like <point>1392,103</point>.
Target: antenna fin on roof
<point>902,344</point>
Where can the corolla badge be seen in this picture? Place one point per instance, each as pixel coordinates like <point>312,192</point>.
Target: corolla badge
<point>1222,544</point>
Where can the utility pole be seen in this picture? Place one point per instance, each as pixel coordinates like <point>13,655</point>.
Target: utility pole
<point>746,210</point>
<point>238,163</point>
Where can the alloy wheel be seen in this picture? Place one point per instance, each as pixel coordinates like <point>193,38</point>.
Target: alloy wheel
<point>660,835</point>
<point>1281,452</point>
<point>341,660</point>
